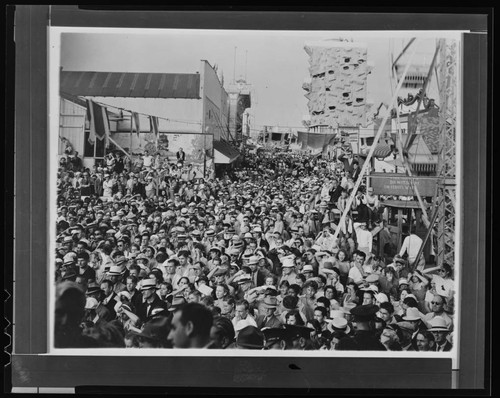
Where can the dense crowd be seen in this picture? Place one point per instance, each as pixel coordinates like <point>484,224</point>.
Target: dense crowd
<point>149,254</point>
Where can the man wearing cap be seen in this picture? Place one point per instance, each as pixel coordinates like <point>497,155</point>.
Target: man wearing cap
<point>287,270</point>
<point>259,274</point>
<point>440,331</point>
<point>151,304</point>
<point>268,319</point>
<point>249,338</point>
<point>115,275</point>
<point>437,305</point>
<point>365,337</point>
<point>109,300</point>
<point>297,338</point>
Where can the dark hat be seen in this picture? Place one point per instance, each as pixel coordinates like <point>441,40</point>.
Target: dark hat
<point>69,275</point>
<point>273,335</point>
<point>270,302</point>
<point>295,331</point>
<point>148,284</point>
<point>220,272</point>
<point>156,329</point>
<point>364,312</point>
<point>238,244</point>
<point>92,290</point>
<point>120,260</point>
<point>177,301</point>
<point>243,279</point>
<point>250,338</point>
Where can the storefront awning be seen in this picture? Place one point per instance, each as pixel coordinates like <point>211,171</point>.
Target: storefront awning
<point>224,153</point>
<point>382,151</point>
<point>134,85</point>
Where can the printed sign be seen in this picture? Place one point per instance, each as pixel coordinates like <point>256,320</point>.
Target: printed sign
<point>397,184</point>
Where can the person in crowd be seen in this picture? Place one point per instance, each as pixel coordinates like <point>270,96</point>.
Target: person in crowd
<point>257,246</point>
<point>190,326</point>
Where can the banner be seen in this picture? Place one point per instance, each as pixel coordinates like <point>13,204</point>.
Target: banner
<point>99,123</point>
<point>314,142</point>
<point>135,120</point>
<point>154,129</point>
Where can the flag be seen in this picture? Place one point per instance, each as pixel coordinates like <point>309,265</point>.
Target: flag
<point>135,119</point>
<point>99,123</point>
<point>153,122</point>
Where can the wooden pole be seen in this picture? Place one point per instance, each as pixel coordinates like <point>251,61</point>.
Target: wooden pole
<point>399,141</point>
<point>372,149</point>
<point>119,147</point>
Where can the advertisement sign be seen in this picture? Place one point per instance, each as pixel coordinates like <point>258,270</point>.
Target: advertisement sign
<point>402,185</point>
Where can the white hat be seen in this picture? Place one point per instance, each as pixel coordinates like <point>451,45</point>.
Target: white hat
<point>438,324</point>
<point>412,314</point>
<point>337,314</point>
<point>243,279</point>
<point>91,303</point>
<point>371,288</point>
<point>381,298</point>
<point>287,261</point>
<point>253,260</point>
<point>115,270</point>
<point>339,324</point>
<point>307,268</point>
<point>205,290</point>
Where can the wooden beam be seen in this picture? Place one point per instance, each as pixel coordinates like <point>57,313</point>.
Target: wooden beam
<point>372,150</point>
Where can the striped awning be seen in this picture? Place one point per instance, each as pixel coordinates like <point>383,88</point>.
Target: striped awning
<point>382,151</point>
<point>136,85</point>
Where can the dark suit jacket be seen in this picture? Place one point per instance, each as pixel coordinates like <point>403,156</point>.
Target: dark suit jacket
<point>447,346</point>
<point>105,314</point>
<point>111,305</point>
<point>363,340</point>
<point>272,322</point>
<point>145,313</point>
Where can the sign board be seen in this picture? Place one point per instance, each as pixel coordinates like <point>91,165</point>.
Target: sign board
<point>402,185</point>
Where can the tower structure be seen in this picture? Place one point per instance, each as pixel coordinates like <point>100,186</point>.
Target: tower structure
<point>445,224</point>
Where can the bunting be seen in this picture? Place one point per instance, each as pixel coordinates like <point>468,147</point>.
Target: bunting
<point>99,122</point>
<point>136,121</point>
<point>153,122</point>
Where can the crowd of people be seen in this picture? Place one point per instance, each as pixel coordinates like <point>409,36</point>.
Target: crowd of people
<point>150,255</point>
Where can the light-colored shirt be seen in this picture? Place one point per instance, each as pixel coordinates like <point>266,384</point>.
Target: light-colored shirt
<point>364,238</point>
<point>355,275</point>
<point>411,244</point>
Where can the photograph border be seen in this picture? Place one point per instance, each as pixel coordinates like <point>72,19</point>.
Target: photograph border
<point>32,368</point>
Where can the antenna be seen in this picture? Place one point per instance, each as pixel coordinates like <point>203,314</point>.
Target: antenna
<point>234,65</point>
<point>246,62</point>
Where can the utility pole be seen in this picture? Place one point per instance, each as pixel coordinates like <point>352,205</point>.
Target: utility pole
<point>234,66</point>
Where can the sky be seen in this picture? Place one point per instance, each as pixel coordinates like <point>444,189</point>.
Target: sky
<point>274,62</point>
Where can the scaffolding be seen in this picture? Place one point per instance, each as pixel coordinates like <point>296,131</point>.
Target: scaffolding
<point>444,227</point>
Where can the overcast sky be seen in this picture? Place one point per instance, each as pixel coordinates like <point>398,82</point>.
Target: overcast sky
<point>274,62</point>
